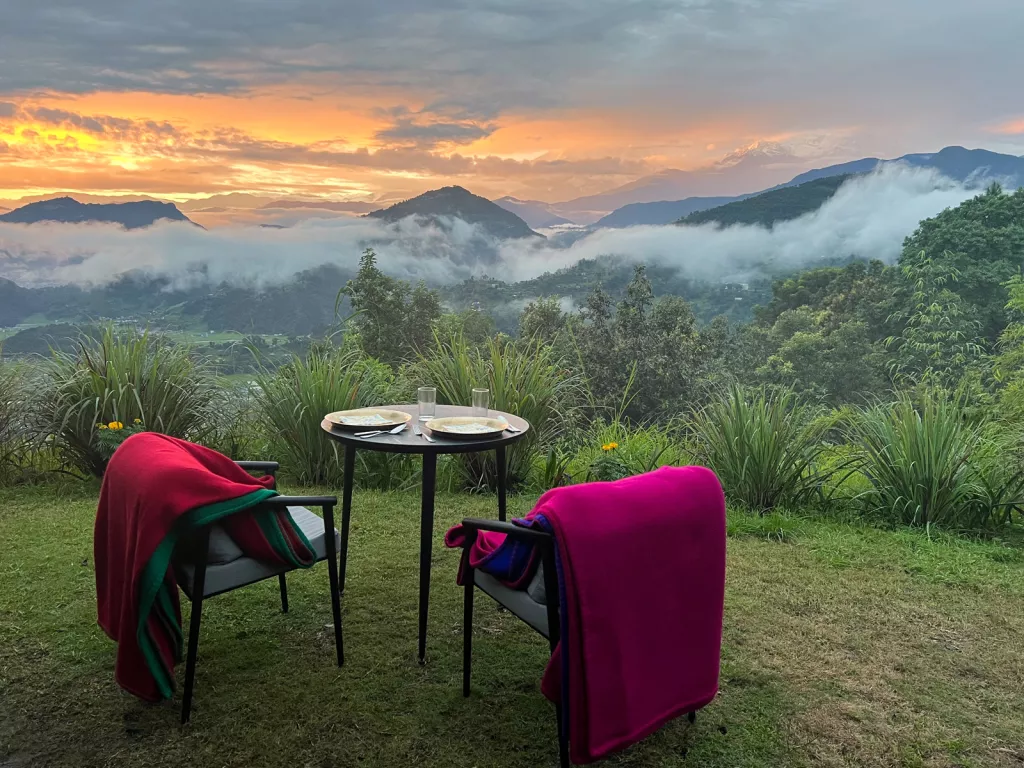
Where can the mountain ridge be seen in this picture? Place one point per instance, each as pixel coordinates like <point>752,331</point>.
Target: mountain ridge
<point>67,210</point>
<point>458,202</point>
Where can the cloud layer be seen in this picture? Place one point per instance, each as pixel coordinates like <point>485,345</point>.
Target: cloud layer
<point>868,217</point>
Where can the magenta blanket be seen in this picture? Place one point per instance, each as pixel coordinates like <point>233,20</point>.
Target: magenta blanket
<point>642,582</point>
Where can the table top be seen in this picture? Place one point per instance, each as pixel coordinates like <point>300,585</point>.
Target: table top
<point>408,442</point>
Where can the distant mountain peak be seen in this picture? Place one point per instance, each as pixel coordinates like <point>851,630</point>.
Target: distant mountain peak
<point>458,203</point>
<point>67,210</point>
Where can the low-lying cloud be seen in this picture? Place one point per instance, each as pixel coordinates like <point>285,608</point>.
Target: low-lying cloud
<point>868,217</point>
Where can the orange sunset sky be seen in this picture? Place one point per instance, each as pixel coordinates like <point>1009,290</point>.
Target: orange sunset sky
<point>540,100</point>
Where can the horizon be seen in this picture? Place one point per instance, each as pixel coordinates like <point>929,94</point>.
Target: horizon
<point>381,104</point>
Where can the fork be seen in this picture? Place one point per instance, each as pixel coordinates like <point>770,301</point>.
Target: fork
<point>419,433</point>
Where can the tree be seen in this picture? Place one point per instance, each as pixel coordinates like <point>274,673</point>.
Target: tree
<point>392,320</point>
<point>651,346</point>
<point>940,340</point>
<point>983,239</point>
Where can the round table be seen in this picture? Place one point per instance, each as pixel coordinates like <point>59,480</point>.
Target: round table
<point>408,442</point>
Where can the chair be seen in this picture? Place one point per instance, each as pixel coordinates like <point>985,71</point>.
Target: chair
<point>537,606</point>
<point>212,564</point>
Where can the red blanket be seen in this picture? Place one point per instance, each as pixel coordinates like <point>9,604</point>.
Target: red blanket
<point>642,582</point>
<point>157,490</point>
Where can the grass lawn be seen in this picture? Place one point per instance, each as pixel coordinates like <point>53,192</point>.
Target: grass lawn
<point>843,646</point>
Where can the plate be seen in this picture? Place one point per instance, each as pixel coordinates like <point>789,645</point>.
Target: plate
<point>467,427</point>
<point>367,418</point>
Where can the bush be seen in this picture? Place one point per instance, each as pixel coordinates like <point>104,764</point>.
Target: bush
<point>523,378</point>
<point>15,429</point>
<point>766,448</point>
<point>294,399</point>
<point>928,464</point>
<point>120,377</point>
<point>610,450</point>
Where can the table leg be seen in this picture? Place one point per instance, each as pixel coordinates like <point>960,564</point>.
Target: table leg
<point>426,543</point>
<point>502,469</point>
<point>346,510</point>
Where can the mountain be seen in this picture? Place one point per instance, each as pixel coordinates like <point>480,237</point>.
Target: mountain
<point>68,210</point>
<point>662,212</point>
<point>764,165</point>
<point>534,212</point>
<point>773,206</point>
<point>459,203</point>
<point>327,205</point>
<point>957,163</point>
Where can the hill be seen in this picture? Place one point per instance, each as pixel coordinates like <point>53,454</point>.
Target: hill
<point>459,203</point>
<point>662,212</point>
<point>958,163</point>
<point>773,206</point>
<point>67,210</point>
<point>534,212</point>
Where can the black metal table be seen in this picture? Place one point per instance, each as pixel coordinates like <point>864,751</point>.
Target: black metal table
<point>408,442</point>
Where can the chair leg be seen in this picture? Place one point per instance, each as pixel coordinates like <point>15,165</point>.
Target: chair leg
<point>467,629</point>
<point>284,592</point>
<point>198,590</point>
<point>563,742</point>
<point>692,717</point>
<point>332,573</point>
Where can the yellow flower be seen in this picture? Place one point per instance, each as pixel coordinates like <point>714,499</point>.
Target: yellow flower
<point>613,446</point>
<point>609,446</point>
<point>102,426</point>
<point>115,425</point>
<point>138,421</point>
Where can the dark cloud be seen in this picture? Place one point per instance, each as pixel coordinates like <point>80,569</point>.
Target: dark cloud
<point>8,109</point>
<point>834,59</point>
<point>426,135</point>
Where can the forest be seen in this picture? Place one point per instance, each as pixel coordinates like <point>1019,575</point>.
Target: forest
<point>892,392</point>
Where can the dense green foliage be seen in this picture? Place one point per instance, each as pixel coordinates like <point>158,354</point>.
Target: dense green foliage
<point>620,379</point>
<point>122,377</point>
<point>928,465</point>
<point>769,208</point>
<point>766,448</point>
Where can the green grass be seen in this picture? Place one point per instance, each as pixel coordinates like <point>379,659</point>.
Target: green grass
<point>844,646</point>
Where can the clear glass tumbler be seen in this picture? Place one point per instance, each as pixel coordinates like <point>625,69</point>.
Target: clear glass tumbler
<point>427,397</point>
<point>481,401</point>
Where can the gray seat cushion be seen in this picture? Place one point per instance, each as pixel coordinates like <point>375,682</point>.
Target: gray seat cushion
<point>517,601</point>
<point>221,577</point>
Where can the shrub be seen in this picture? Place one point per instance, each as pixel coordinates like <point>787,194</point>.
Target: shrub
<point>614,449</point>
<point>524,379</point>
<point>15,432</point>
<point>295,398</point>
<point>122,376</point>
<point>766,448</point>
<point>928,464</point>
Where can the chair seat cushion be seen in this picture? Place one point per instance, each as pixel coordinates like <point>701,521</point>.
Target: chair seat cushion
<point>517,601</point>
<point>221,577</point>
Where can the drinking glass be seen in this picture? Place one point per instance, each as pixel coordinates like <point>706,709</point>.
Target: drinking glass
<point>481,401</point>
<point>427,397</point>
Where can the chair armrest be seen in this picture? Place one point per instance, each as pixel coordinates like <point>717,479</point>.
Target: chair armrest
<point>267,467</point>
<point>300,501</point>
<point>475,524</point>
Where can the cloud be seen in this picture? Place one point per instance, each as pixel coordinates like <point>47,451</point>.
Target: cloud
<point>8,109</point>
<point>775,62</point>
<point>428,135</point>
<point>868,217</point>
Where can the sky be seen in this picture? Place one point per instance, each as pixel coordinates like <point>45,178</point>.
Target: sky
<point>540,99</point>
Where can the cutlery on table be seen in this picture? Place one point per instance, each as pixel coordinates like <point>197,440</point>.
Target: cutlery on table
<point>510,428</point>
<point>374,433</point>
<point>420,433</point>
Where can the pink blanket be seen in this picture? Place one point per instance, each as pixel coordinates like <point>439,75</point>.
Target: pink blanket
<point>642,577</point>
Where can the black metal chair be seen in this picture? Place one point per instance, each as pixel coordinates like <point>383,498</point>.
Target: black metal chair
<point>538,608</point>
<point>543,617</point>
<point>200,577</point>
